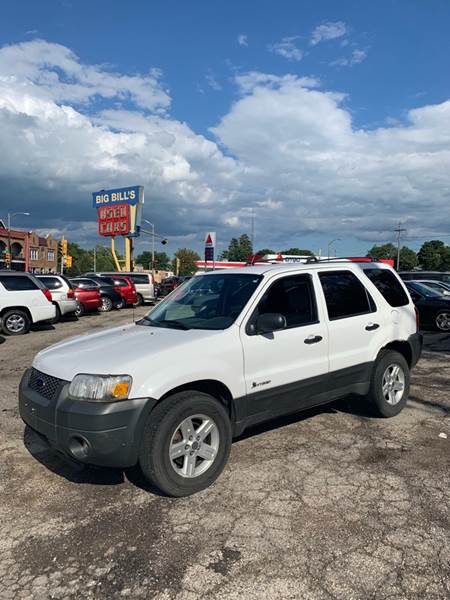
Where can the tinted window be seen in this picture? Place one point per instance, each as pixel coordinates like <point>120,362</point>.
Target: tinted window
<point>345,295</point>
<point>85,283</point>
<point>15,283</point>
<point>388,285</point>
<point>293,297</point>
<point>139,279</point>
<point>423,290</point>
<point>51,283</point>
<point>120,283</point>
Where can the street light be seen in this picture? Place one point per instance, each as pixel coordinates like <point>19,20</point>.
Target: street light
<point>9,233</point>
<point>153,246</point>
<point>332,242</point>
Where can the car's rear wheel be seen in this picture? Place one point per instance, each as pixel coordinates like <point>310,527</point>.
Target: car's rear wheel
<point>389,387</point>
<point>120,304</point>
<point>186,443</point>
<point>107,304</point>
<point>15,322</point>
<point>140,300</point>
<point>442,321</point>
<point>80,310</point>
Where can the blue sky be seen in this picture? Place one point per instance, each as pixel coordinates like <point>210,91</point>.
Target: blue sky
<point>379,60</point>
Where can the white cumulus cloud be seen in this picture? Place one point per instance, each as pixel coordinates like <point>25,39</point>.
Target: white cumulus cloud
<point>355,58</point>
<point>242,40</point>
<point>287,147</point>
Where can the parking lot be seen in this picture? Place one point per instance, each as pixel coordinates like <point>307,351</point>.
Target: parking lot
<point>328,504</point>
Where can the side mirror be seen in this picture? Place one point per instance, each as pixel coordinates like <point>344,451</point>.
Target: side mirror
<point>270,322</point>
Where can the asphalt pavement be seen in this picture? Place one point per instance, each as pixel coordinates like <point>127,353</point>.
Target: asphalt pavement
<point>329,504</point>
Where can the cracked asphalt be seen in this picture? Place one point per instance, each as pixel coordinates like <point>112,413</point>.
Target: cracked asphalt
<point>329,504</point>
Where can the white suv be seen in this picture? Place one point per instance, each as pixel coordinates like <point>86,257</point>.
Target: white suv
<point>63,296</point>
<point>224,351</point>
<point>24,300</point>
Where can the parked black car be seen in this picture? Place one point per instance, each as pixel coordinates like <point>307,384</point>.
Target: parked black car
<point>443,276</point>
<point>170,283</point>
<point>110,297</point>
<point>434,308</point>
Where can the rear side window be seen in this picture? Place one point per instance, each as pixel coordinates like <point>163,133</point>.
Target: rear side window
<point>139,279</point>
<point>51,283</point>
<point>345,295</point>
<point>120,283</point>
<point>17,283</point>
<point>388,285</point>
<point>293,297</point>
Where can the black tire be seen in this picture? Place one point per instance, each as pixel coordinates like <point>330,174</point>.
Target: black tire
<point>159,430</point>
<point>15,322</point>
<point>57,316</point>
<point>378,399</point>
<point>107,304</point>
<point>442,321</point>
<point>140,300</point>
<point>80,310</point>
<point>119,305</point>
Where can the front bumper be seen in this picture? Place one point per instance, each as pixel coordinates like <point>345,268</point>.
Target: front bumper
<point>99,433</point>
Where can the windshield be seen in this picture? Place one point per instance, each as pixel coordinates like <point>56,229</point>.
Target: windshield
<point>423,289</point>
<point>204,302</point>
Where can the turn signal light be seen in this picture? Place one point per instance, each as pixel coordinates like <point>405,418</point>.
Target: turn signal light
<point>71,294</point>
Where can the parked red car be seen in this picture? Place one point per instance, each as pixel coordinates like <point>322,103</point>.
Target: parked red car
<point>126,288</point>
<point>88,299</point>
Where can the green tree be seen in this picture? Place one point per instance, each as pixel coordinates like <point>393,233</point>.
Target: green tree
<point>239,249</point>
<point>265,251</point>
<point>187,258</point>
<point>104,260</point>
<point>383,251</point>
<point>431,255</point>
<point>162,260</point>
<point>408,259</point>
<point>81,260</point>
<point>297,252</point>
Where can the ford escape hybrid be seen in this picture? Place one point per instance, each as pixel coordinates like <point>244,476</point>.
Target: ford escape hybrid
<point>224,351</point>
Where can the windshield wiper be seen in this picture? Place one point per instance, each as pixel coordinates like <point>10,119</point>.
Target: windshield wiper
<point>171,322</point>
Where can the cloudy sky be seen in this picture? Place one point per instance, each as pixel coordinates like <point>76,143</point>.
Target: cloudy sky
<point>328,119</point>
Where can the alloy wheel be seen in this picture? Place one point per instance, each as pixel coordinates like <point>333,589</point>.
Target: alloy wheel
<point>15,323</point>
<point>443,321</point>
<point>393,384</point>
<point>194,446</point>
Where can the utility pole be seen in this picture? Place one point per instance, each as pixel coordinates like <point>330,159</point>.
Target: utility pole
<point>399,232</point>
<point>253,230</point>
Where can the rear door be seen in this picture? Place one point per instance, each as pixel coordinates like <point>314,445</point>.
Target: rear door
<point>356,327</point>
<point>284,370</point>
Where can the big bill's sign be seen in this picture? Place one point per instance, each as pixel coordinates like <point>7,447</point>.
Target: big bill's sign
<point>119,210</point>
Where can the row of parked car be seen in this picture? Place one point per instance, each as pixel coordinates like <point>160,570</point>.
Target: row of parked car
<point>430,292</point>
<point>26,299</point>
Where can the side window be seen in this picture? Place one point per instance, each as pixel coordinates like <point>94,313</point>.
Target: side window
<point>17,283</point>
<point>140,279</point>
<point>388,285</point>
<point>51,282</point>
<point>345,295</point>
<point>294,298</point>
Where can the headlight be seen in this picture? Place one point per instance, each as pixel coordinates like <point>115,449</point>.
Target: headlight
<point>100,388</point>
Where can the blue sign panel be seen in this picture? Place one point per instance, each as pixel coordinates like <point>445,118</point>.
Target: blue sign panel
<point>128,195</point>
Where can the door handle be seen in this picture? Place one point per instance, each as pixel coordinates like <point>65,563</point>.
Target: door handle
<point>313,339</point>
<point>372,326</point>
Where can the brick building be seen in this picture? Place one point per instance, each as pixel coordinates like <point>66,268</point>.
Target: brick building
<point>29,251</point>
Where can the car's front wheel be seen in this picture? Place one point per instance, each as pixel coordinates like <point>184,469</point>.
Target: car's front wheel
<point>389,387</point>
<point>15,322</point>
<point>186,443</point>
<point>80,310</point>
<point>106,305</point>
<point>442,321</point>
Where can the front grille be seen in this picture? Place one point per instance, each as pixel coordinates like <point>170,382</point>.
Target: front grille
<point>45,385</point>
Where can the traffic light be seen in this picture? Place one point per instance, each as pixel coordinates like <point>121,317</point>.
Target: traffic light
<point>68,261</point>
<point>64,247</point>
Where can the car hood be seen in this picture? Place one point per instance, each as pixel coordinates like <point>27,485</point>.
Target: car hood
<point>131,349</point>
